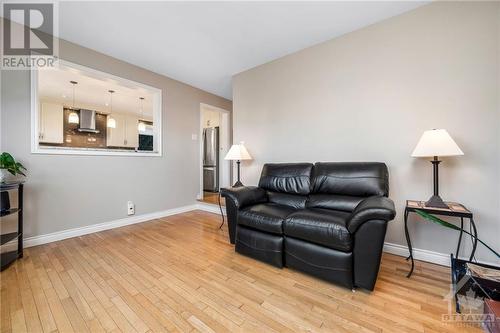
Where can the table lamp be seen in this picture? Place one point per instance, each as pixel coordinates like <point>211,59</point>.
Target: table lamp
<point>434,143</point>
<point>238,153</point>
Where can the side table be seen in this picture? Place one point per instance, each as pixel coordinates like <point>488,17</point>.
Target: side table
<point>454,210</point>
<point>9,255</point>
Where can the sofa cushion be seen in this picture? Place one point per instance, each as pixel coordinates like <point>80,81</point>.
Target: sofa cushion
<point>293,178</point>
<point>293,200</point>
<point>321,226</point>
<point>351,178</point>
<point>331,265</point>
<point>265,217</point>
<point>260,245</point>
<point>346,203</point>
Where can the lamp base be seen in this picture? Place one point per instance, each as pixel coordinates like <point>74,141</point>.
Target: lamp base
<point>436,202</point>
<point>238,184</point>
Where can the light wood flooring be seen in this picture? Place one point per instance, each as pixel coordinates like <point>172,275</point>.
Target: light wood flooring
<point>213,198</point>
<point>180,274</point>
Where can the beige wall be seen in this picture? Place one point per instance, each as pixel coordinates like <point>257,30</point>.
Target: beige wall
<point>64,192</point>
<point>369,95</point>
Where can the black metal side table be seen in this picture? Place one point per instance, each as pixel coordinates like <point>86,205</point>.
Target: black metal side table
<point>454,210</point>
<point>9,255</point>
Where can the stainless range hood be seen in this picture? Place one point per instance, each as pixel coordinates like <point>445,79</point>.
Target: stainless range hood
<point>87,121</point>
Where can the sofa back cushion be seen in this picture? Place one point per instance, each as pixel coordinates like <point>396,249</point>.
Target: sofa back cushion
<point>291,178</point>
<point>358,179</point>
<point>292,200</point>
<point>344,203</point>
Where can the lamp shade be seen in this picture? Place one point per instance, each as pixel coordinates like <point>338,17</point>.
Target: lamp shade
<point>238,153</point>
<point>436,142</point>
<point>111,123</point>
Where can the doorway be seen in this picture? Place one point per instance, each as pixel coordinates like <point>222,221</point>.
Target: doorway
<point>215,138</point>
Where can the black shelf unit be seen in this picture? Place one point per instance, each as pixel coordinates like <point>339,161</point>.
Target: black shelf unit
<point>9,256</point>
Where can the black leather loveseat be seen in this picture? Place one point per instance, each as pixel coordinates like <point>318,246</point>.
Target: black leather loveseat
<point>327,219</point>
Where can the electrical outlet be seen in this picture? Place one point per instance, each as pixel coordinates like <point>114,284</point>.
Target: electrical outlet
<point>130,208</point>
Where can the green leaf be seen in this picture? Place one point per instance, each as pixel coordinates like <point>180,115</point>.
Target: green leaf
<point>437,220</point>
<point>7,162</point>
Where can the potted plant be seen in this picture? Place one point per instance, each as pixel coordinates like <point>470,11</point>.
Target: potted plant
<point>8,166</point>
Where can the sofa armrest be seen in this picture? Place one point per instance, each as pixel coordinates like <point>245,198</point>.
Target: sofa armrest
<point>372,208</point>
<point>244,195</point>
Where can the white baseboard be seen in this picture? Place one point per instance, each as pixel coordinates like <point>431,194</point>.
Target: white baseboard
<point>399,250</point>
<point>64,234</point>
<point>426,255</point>
<point>418,254</point>
<point>211,208</point>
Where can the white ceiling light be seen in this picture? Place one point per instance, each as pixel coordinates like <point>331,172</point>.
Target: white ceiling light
<point>73,117</point>
<point>141,126</point>
<point>111,123</point>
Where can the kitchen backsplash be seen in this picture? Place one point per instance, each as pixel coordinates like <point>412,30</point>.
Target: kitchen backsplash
<point>74,138</point>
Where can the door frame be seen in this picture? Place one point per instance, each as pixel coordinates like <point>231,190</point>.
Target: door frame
<point>199,196</point>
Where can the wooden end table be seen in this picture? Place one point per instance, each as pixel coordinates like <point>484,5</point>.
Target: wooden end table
<point>454,210</point>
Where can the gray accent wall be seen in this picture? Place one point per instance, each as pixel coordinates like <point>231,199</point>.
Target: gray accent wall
<point>69,191</point>
<point>369,95</point>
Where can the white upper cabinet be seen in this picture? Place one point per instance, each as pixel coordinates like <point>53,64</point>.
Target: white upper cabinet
<point>51,126</point>
<point>131,132</point>
<point>125,134</point>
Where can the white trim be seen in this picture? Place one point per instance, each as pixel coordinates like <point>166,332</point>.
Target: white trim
<point>396,249</point>
<point>200,144</point>
<point>69,233</point>
<point>418,254</point>
<point>75,232</point>
<point>157,117</point>
<point>424,255</point>
<point>211,208</point>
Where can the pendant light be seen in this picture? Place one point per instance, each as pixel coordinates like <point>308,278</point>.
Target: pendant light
<point>141,126</point>
<point>73,117</point>
<point>111,123</point>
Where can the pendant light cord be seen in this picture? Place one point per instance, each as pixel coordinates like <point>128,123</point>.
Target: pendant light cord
<point>111,99</point>
<point>74,83</point>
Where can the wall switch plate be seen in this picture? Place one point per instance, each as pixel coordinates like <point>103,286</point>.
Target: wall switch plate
<point>130,208</point>
<point>194,137</point>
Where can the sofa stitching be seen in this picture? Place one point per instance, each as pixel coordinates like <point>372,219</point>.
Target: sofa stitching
<point>357,177</point>
<point>277,176</point>
<point>307,224</point>
<point>317,266</point>
<point>256,248</point>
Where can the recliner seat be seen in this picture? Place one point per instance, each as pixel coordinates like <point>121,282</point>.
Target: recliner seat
<point>327,219</point>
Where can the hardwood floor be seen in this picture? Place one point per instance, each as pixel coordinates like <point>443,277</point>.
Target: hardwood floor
<point>180,274</point>
<point>213,198</point>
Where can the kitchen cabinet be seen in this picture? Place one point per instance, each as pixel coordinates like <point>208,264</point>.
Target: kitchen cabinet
<point>51,124</point>
<point>131,132</point>
<point>125,134</point>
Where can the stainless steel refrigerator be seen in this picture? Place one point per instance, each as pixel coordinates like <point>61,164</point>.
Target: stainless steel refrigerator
<point>211,159</point>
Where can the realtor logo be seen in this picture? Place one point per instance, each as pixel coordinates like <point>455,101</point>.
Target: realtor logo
<point>28,35</point>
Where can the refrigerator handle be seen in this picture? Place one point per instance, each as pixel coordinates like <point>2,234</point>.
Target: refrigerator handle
<point>204,146</point>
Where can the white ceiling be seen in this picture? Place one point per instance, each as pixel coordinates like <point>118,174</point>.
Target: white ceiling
<point>204,43</point>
